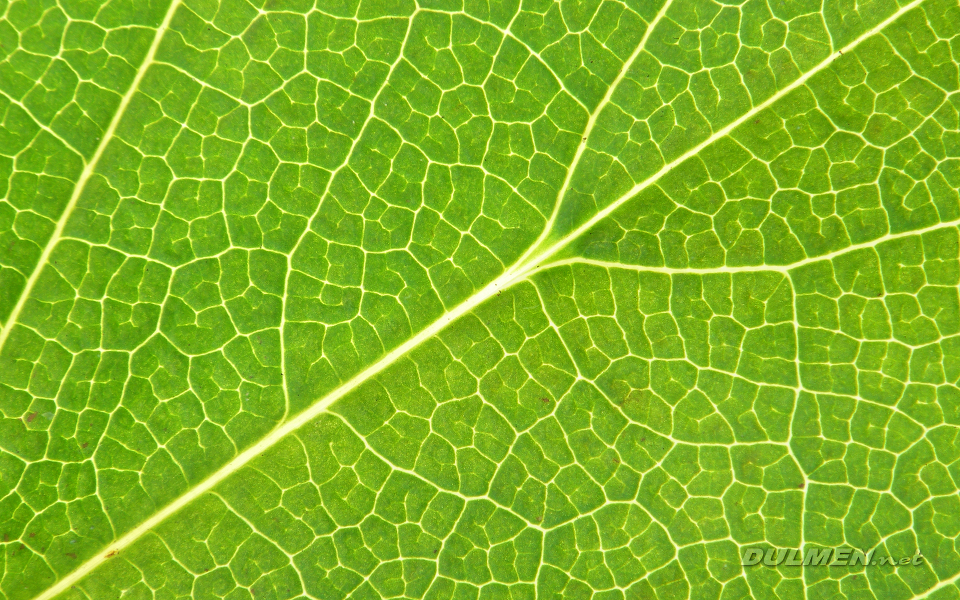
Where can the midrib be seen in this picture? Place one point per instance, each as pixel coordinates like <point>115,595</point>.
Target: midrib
<point>85,175</point>
<point>503,282</point>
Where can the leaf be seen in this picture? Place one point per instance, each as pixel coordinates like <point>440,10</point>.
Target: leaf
<point>456,299</point>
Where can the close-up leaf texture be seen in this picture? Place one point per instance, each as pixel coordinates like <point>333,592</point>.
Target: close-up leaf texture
<point>478,299</point>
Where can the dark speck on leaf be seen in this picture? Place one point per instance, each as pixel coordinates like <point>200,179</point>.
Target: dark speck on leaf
<point>33,535</point>
<point>31,417</point>
<point>84,445</point>
<point>71,555</point>
<point>545,400</point>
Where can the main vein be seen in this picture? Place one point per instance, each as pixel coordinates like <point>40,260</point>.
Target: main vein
<point>87,172</point>
<point>504,281</point>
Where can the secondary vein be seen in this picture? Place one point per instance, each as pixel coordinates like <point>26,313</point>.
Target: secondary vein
<point>87,172</point>
<point>591,123</point>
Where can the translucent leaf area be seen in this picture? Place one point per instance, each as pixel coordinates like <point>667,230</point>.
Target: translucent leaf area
<point>478,299</point>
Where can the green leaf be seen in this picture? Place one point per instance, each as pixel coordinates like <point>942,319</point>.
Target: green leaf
<point>452,299</point>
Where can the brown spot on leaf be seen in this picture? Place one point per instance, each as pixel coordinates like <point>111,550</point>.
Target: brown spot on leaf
<point>84,445</point>
<point>111,554</point>
<point>31,417</point>
<point>545,400</point>
<point>70,554</point>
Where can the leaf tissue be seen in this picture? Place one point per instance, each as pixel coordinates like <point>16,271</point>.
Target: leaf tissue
<point>478,299</point>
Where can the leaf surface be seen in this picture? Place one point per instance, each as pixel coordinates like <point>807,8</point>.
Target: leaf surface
<point>456,299</point>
